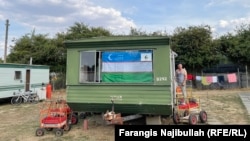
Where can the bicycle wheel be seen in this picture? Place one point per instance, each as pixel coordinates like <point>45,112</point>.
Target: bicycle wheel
<point>16,100</point>
<point>30,99</point>
<point>36,99</point>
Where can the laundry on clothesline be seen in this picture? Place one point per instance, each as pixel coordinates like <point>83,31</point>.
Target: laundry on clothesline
<point>232,78</point>
<point>190,77</point>
<point>214,79</point>
<point>198,78</point>
<point>221,78</point>
<point>204,80</point>
<point>209,79</point>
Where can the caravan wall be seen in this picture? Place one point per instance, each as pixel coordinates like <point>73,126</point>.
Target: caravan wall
<point>15,78</point>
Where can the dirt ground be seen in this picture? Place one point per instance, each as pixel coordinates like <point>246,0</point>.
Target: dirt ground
<point>19,123</point>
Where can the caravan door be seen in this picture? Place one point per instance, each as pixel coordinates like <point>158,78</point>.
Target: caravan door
<point>27,82</point>
<point>173,55</point>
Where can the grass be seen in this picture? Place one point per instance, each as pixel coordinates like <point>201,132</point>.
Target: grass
<point>19,123</point>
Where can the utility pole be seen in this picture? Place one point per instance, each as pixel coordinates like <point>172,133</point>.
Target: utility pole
<point>6,40</point>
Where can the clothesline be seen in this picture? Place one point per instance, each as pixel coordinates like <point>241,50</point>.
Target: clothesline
<point>206,80</point>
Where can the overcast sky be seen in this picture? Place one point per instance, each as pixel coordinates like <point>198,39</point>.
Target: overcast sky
<point>53,16</point>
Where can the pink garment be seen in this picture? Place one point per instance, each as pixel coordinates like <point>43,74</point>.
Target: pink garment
<point>209,79</point>
<point>231,78</point>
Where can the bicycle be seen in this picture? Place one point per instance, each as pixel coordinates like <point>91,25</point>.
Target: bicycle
<point>25,97</point>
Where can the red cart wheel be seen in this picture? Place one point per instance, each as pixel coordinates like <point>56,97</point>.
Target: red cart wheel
<point>193,119</point>
<point>74,119</point>
<point>59,132</point>
<point>39,132</point>
<point>203,116</point>
<point>176,118</point>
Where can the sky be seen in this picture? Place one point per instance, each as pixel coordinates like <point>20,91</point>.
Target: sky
<point>118,16</point>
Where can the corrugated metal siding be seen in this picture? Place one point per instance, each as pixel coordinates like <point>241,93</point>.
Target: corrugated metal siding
<point>123,108</point>
<point>134,98</point>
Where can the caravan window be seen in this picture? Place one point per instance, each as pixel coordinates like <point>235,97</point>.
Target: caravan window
<point>119,66</point>
<point>18,75</point>
<point>89,67</point>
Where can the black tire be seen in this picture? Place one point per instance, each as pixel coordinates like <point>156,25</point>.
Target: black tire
<point>36,99</point>
<point>74,119</point>
<point>83,115</point>
<point>203,116</point>
<point>176,118</point>
<point>192,119</point>
<point>16,100</point>
<point>39,132</point>
<point>59,132</point>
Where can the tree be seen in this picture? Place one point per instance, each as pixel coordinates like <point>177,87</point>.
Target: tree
<point>29,45</point>
<point>137,32</point>
<point>195,47</point>
<point>237,47</point>
<point>80,30</point>
<point>42,49</point>
<point>50,51</point>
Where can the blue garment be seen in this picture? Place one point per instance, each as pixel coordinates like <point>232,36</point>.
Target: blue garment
<point>221,79</point>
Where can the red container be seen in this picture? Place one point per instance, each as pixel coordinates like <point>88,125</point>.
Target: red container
<point>48,91</point>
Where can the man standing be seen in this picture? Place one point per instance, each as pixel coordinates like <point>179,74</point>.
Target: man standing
<point>181,77</point>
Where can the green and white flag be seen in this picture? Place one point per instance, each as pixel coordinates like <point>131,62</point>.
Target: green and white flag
<point>127,66</point>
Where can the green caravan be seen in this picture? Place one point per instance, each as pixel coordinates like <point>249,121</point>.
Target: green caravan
<point>137,72</point>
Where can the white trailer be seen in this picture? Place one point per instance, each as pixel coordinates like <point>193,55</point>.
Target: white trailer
<point>24,77</point>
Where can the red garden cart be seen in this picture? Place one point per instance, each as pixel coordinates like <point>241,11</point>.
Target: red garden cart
<point>188,110</point>
<point>55,115</point>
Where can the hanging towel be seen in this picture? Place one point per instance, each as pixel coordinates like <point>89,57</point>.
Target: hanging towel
<point>198,78</point>
<point>232,78</point>
<point>215,79</point>
<point>221,78</point>
<point>204,80</point>
<point>189,77</point>
<point>209,79</point>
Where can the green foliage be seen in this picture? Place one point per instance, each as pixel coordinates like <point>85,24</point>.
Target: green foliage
<point>195,47</point>
<point>137,32</point>
<point>50,51</point>
<point>60,82</point>
<point>237,47</point>
<point>81,30</point>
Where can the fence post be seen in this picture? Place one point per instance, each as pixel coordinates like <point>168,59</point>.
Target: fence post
<point>247,76</point>
<point>239,77</point>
